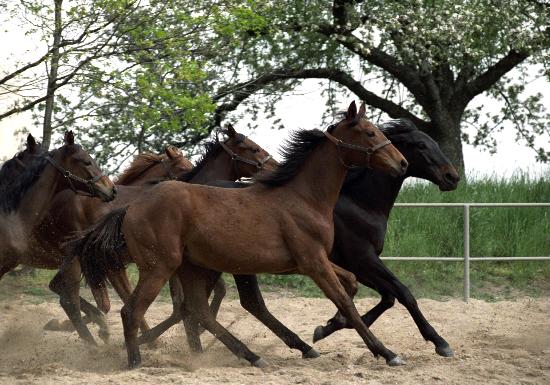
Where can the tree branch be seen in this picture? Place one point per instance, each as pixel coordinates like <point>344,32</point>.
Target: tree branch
<point>493,74</point>
<point>243,90</point>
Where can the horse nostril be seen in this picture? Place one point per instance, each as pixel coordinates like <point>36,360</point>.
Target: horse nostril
<point>451,177</point>
<point>404,163</point>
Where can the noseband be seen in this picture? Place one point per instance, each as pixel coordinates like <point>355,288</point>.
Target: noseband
<point>70,177</point>
<point>237,158</point>
<point>367,150</point>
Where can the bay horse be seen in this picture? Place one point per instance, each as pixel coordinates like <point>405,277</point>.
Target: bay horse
<point>230,161</point>
<point>26,197</point>
<point>71,212</point>
<point>360,218</point>
<point>282,224</point>
<point>234,158</point>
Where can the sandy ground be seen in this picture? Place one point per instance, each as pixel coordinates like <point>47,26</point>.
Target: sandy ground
<point>495,343</point>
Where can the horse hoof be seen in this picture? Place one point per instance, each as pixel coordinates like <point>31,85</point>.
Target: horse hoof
<point>260,363</point>
<point>444,351</point>
<point>395,361</point>
<point>134,364</point>
<point>318,334</point>
<point>52,325</point>
<point>104,335</point>
<point>311,353</point>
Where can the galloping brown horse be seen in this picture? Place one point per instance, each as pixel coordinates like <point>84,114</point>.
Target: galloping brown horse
<point>230,161</point>
<point>282,224</point>
<point>26,199</point>
<point>236,157</point>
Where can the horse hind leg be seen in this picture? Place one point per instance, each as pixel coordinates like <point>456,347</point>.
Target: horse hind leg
<point>6,266</point>
<point>66,283</point>
<point>176,292</point>
<point>253,302</point>
<point>148,288</point>
<point>195,285</point>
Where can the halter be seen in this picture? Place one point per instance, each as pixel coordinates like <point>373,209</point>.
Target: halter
<point>70,177</point>
<point>367,150</point>
<point>237,158</point>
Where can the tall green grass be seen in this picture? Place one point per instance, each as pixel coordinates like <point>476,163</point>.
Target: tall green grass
<point>497,232</point>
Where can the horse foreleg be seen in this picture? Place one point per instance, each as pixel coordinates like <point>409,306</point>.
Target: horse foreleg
<point>339,322</point>
<point>253,302</point>
<point>381,277</point>
<point>320,270</point>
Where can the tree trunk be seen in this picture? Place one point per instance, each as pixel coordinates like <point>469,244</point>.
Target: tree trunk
<point>52,78</point>
<point>446,133</point>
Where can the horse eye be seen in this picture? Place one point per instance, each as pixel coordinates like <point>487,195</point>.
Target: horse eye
<point>87,162</point>
<point>256,150</point>
<point>370,134</point>
<point>421,145</point>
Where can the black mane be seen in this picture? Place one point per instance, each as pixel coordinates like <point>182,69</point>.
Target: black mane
<point>295,151</point>
<point>397,127</point>
<point>14,184</point>
<point>211,149</point>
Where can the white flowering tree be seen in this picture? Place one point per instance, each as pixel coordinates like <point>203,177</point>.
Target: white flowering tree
<point>425,60</point>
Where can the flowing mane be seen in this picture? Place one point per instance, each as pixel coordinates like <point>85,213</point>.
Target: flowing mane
<point>138,167</point>
<point>295,151</point>
<point>396,127</point>
<point>15,183</point>
<point>211,149</point>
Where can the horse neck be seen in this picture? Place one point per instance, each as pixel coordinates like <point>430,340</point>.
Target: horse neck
<point>154,172</point>
<point>320,178</point>
<point>38,198</point>
<point>219,167</point>
<point>375,191</point>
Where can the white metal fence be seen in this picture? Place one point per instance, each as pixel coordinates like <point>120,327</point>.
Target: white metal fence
<point>466,257</point>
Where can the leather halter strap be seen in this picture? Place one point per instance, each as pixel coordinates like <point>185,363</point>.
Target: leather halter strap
<point>236,157</point>
<point>70,177</point>
<point>367,150</point>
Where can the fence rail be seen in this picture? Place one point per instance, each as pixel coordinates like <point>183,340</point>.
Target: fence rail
<point>466,258</point>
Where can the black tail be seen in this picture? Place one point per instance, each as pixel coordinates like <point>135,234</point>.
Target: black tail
<point>100,248</point>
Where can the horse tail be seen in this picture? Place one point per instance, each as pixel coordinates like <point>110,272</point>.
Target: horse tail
<point>100,248</point>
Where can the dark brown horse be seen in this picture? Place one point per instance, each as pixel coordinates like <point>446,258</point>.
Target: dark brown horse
<point>236,157</point>
<point>282,224</point>
<point>27,197</point>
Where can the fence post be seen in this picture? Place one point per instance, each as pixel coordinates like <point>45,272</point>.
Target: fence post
<point>466,252</point>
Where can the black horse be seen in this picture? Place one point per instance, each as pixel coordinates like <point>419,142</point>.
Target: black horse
<point>360,219</point>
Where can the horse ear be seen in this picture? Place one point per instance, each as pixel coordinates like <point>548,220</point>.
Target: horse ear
<point>69,138</point>
<point>31,142</point>
<point>352,111</point>
<point>231,130</point>
<point>362,110</point>
<point>172,152</point>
